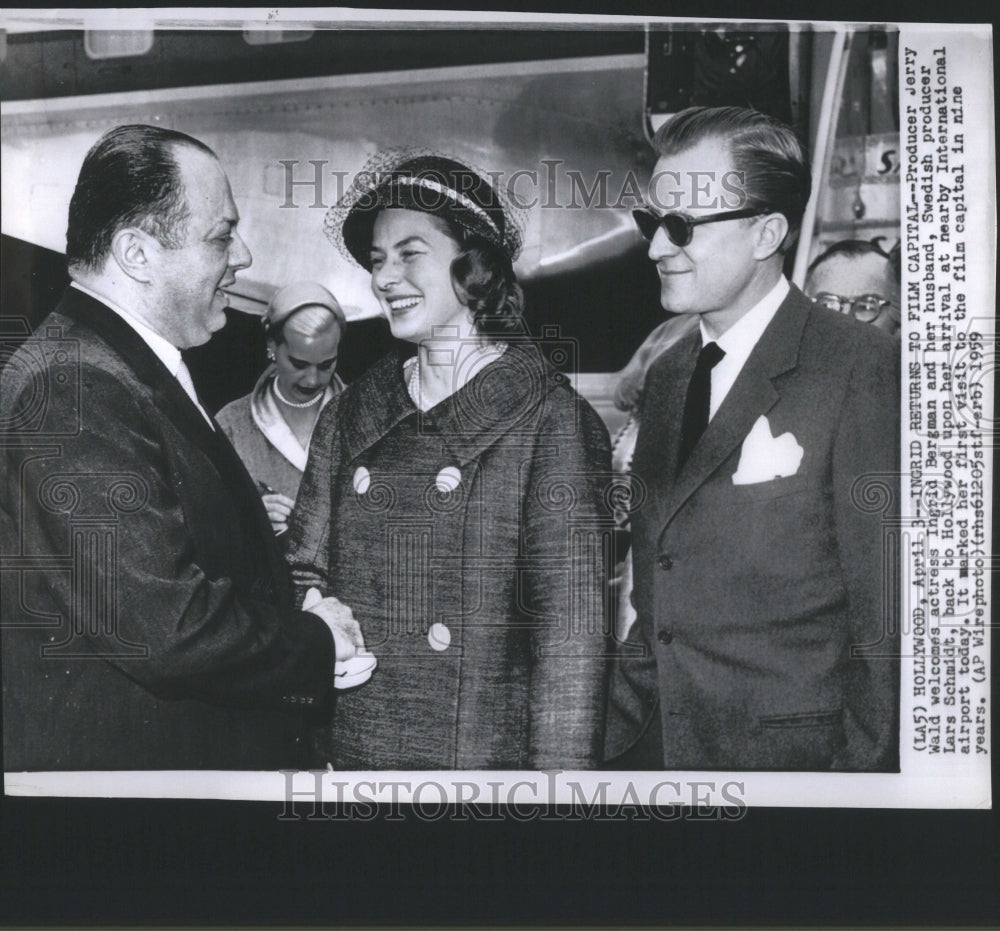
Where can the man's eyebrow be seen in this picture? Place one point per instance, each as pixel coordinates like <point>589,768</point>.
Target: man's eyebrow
<point>223,225</point>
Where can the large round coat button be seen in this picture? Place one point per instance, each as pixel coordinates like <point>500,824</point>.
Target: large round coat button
<point>362,480</point>
<point>448,479</point>
<point>665,562</point>
<point>664,636</point>
<point>439,637</point>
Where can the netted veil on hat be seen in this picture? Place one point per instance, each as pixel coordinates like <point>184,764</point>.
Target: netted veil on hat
<point>431,183</point>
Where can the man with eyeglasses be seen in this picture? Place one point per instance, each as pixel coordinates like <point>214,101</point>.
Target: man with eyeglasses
<point>856,277</point>
<point>765,478</point>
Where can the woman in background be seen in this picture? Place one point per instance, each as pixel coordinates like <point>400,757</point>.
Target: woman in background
<point>271,427</point>
<point>454,499</point>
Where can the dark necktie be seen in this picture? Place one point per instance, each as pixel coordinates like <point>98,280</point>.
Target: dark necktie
<point>696,403</point>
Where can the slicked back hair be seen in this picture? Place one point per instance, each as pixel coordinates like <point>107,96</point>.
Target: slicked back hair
<point>776,175</point>
<point>130,177</point>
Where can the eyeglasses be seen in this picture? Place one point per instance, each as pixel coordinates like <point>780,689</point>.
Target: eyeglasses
<point>865,308</point>
<point>679,227</point>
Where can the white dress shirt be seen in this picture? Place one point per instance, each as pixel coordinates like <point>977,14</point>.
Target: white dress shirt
<point>739,341</point>
<point>165,351</point>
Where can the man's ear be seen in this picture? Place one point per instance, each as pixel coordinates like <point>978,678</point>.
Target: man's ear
<point>133,251</point>
<point>771,232</point>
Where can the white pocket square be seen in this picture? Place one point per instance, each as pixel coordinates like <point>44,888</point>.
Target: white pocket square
<point>765,457</point>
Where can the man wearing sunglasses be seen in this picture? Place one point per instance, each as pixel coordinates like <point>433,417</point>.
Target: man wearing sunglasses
<point>766,473</point>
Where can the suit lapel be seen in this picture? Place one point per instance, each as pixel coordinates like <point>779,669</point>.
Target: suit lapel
<point>168,394</point>
<point>172,401</point>
<point>655,458</point>
<point>752,395</point>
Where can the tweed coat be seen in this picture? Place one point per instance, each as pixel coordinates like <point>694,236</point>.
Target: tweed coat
<point>147,622</point>
<point>485,515</point>
<point>762,639</point>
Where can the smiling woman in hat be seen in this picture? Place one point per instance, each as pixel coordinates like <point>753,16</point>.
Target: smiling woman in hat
<point>271,427</point>
<point>455,499</point>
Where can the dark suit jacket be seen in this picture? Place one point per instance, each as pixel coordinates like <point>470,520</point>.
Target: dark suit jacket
<point>146,607</point>
<point>763,638</point>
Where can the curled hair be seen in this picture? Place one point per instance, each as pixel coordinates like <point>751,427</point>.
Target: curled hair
<point>129,177</point>
<point>776,175</point>
<point>484,278</point>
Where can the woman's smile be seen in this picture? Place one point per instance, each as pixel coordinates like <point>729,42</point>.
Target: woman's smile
<point>411,258</point>
<point>399,305</point>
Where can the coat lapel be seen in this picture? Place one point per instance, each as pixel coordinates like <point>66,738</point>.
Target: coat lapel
<point>507,394</point>
<point>505,397</point>
<point>168,394</point>
<point>172,402</point>
<point>753,394</point>
<point>655,458</point>
<point>373,405</point>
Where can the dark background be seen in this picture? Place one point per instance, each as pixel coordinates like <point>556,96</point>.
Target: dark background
<point>176,863</point>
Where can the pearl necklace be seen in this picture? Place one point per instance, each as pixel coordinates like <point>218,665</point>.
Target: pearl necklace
<point>297,404</point>
<point>413,385</point>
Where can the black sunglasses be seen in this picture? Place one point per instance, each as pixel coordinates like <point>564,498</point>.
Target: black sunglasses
<point>679,227</point>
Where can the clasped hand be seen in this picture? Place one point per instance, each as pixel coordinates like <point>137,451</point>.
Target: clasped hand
<point>354,663</point>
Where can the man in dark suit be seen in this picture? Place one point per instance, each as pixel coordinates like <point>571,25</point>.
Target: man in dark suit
<point>766,472</point>
<point>147,619</point>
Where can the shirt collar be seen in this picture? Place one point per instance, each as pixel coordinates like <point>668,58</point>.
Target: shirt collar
<point>165,351</point>
<point>738,341</point>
